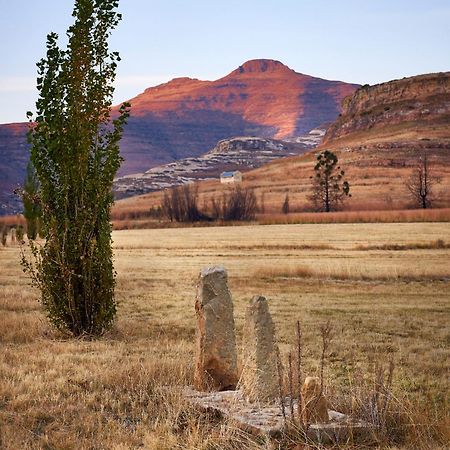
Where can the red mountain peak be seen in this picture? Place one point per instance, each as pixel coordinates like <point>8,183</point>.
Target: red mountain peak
<point>256,66</point>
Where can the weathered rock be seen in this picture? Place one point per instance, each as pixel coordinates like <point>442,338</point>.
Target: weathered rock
<point>259,379</point>
<point>216,362</point>
<point>264,420</point>
<point>315,405</point>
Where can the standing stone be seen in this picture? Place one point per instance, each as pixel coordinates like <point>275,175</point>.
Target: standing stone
<point>259,379</point>
<point>216,362</point>
<point>315,405</point>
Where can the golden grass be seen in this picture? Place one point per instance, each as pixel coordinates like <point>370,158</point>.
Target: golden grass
<point>120,391</point>
<point>401,216</point>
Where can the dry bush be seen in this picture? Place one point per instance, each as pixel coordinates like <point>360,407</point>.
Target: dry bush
<point>180,204</point>
<point>369,393</point>
<point>238,204</point>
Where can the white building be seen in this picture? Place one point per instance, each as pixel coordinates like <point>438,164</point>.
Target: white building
<point>231,177</point>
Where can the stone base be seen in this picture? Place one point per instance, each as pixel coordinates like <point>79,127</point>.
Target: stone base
<point>268,420</point>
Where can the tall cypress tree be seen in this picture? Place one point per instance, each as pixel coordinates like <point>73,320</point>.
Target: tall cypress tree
<point>75,150</point>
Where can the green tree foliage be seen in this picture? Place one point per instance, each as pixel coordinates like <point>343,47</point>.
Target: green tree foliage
<point>329,189</point>
<point>75,150</point>
<point>31,205</point>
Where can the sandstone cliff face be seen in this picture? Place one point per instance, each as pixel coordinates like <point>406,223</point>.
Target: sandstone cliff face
<point>420,101</point>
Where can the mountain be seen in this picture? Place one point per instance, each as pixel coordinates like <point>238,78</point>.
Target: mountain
<point>13,162</point>
<point>186,117</point>
<point>378,138</point>
<point>239,153</point>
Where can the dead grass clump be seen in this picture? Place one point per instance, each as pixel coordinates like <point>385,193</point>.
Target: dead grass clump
<point>350,273</point>
<point>21,328</point>
<point>433,245</point>
<point>285,272</point>
<point>400,216</point>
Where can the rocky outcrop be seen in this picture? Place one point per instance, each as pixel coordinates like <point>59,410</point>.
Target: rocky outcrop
<point>240,153</point>
<point>420,101</point>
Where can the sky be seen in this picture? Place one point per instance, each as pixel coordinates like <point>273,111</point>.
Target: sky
<point>358,41</point>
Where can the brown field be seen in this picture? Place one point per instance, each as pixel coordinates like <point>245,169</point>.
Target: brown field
<point>385,288</point>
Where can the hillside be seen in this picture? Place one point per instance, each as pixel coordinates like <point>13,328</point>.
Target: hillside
<point>239,153</point>
<point>13,162</point>
<point>187,117</point>
<point>378,138</point>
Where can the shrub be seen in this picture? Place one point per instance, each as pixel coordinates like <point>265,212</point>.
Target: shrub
<point>237,204</point>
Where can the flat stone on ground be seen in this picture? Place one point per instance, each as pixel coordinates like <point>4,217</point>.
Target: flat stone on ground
<point>268,420</point>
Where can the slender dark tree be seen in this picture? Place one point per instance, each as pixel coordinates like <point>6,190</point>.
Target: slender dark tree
<point>30,198</point>
<point>421,182</point>
<point>285,207</point>
<point>75,150</point>
<point>329,189</point>
<point>4,235</point>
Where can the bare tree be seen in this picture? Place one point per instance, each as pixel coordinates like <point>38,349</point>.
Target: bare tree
<point>238,204</point>
<point>180,204</point>
<point>421,182</point>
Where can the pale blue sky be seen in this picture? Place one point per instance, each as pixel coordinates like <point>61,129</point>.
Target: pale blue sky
<point>361,41</point>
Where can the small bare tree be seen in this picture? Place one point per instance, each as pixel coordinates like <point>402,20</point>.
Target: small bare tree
<point>180,204</point>
<point>421,182</point>
<point>237,204</point>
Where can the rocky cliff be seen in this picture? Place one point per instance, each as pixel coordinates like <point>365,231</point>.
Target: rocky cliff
<point>239,153</point>
<point>411,104</point>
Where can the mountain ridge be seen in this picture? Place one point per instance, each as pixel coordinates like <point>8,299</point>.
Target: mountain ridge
<point>186,117</point>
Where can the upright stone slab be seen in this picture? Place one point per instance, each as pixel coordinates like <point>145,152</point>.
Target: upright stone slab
<point>259,379</point>
<point>216,361</point>
<point>315,405</point>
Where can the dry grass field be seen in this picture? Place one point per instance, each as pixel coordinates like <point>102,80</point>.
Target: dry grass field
<point>384,287</point>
